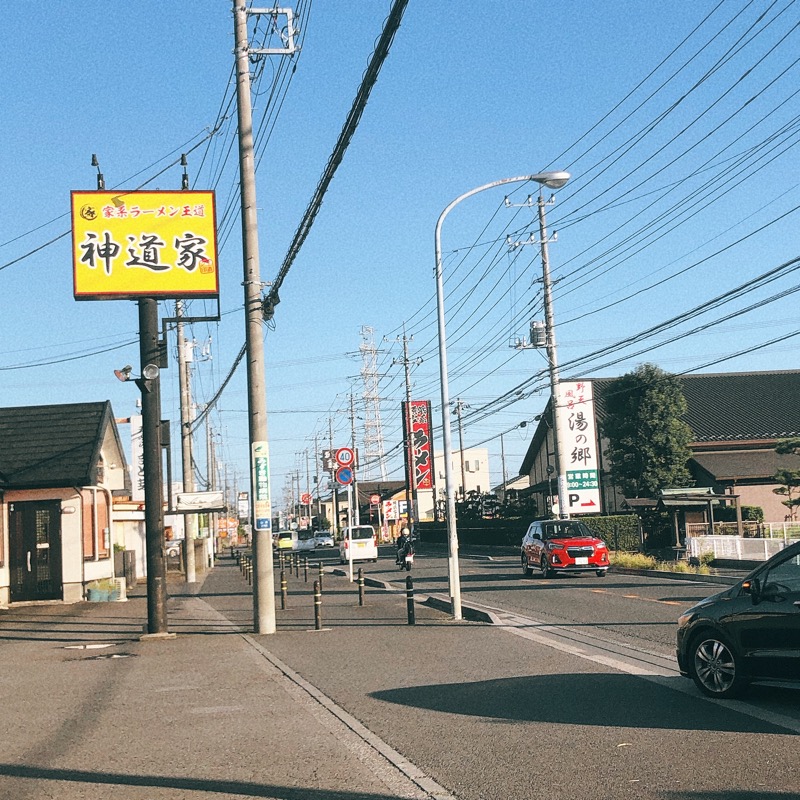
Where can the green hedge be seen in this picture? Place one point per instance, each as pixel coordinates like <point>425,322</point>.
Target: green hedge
<point>619,532</point>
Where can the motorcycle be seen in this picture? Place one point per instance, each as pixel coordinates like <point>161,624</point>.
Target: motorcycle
<point>405,554</point>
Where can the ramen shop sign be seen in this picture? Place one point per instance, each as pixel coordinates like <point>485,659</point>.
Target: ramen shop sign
<point>128,245</point>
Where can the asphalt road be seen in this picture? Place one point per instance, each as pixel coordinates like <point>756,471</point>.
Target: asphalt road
<point>576,696</point>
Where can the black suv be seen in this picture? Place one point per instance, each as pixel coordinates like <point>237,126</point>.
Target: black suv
<point>748,632</point>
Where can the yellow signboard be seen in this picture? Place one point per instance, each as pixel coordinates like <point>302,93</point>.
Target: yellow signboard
<point>144,244</point>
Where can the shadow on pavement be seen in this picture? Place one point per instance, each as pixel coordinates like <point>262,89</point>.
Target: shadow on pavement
<point>579,699</point>
<point>223,787</point>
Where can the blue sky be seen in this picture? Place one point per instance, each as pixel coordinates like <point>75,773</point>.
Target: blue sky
<point>676,120</point>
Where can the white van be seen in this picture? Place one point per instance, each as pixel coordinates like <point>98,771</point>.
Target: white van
<point>364,543</point>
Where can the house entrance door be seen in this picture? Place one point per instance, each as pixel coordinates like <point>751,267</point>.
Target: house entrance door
<point>35,550</point>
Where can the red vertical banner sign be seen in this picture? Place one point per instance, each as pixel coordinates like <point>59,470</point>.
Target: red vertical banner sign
<point>421,449</point>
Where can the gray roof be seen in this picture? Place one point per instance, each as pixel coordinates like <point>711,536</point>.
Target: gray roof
<point>746,407</point>
<point>745,465</point>
<point>735,406</point>
<point>53,446</point>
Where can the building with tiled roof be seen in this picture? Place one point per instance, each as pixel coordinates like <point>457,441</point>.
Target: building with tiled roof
<point>59,465</point>
<point>736,419</point>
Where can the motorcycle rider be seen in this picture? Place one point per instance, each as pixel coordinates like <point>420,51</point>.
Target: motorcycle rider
<point>403,544</point>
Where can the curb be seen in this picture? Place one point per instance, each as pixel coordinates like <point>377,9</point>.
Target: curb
<point>727,580</point>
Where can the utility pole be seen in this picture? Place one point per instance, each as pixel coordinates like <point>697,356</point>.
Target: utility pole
<point>459,404</point>
<point>411,471</point>
<point>334,482</point>
<point>552,359</point>
<point>187,417</point>
<point>503,462</point>
<point>261,514</point>
<point>316,477</point>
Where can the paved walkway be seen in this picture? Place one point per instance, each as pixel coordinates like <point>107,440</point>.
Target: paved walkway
<point>91,711</point>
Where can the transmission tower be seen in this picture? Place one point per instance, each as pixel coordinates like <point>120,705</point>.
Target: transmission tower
<point>373,435</point>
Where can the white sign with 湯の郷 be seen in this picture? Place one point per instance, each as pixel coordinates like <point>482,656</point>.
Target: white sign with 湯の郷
<point>577,440</point>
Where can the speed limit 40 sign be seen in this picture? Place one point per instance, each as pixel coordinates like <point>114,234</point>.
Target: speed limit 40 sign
<point>345,456</point>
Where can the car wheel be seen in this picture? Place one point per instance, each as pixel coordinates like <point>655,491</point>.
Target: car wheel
<point>546,571</point>
<point>715,668</point>
<point>526,568</point>
<point>601,573</point>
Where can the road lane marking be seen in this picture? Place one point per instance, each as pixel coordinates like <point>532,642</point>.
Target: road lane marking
<point>639,597</point>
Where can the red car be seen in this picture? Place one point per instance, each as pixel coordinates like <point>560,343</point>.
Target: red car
<point>563,545</point>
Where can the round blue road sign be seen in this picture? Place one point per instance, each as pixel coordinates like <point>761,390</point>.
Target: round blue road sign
<point>344,475</point>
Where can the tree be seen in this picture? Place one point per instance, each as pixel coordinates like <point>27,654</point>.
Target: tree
<point>789,478</point>
<point>648,441</point>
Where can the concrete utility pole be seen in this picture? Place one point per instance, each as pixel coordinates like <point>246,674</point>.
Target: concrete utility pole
<point>187,417</point>
<point>334,482</point>
<point>459,404</point>
<point>316,479</point>
<point>263,578</point>
<point>503,463</point>
<point>552,359</point>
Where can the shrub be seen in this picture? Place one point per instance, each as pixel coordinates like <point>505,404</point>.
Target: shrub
<point>706,558</point>
<point>620,532</point>
<point>632,561</point>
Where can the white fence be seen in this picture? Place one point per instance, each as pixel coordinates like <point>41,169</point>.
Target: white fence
<point>758,530</point>
<point>774,537</point>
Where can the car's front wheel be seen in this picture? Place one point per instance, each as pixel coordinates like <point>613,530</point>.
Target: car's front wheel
<point>715,668</point>
<point>526,567</point>
<point>544,567</point>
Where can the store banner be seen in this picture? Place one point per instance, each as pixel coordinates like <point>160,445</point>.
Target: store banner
<point>421,449</point>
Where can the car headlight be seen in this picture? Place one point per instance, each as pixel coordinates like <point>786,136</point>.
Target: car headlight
<point>601,545</point>
<point>554,546</point>
<point>684,620</point>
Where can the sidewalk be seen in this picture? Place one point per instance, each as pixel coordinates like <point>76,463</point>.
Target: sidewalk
<point>368,708</point>
<point>91,711</point>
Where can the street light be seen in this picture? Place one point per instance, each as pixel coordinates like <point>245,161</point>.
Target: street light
<point>553,180</point>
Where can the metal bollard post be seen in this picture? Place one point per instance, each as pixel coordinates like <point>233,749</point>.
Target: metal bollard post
<point>250,572</point>
<point>305,569</point>
<point>361,587</point>
<point>297,565</point>
<point>321,573</point>
<point>317,606</point>
<point>410,600</point>
<point>283,589</point>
